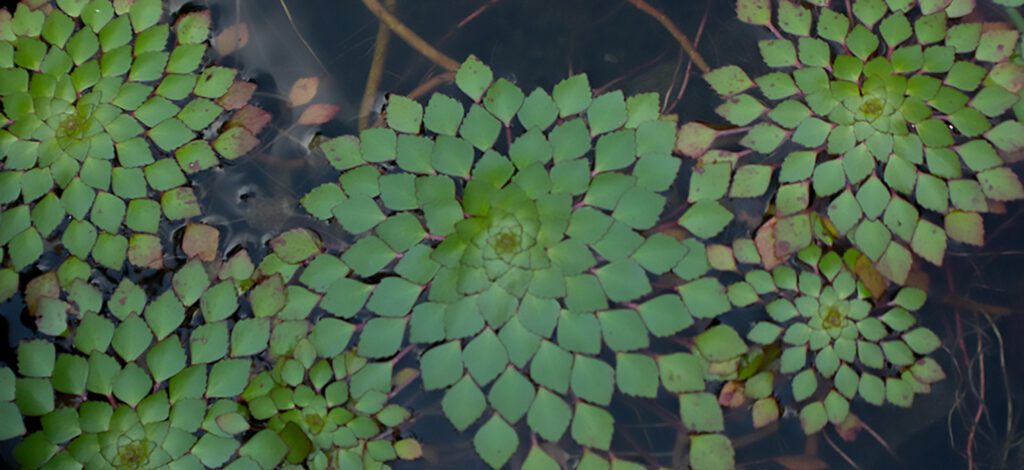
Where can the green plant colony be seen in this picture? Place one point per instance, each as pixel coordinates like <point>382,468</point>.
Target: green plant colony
<point>530,249</point>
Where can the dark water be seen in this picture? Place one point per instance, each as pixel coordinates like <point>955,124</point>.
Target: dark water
<point>975,297</point>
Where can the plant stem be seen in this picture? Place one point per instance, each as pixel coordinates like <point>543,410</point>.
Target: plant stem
<point>380,53</point>
<point>410,37</point>
<point>684,41</point>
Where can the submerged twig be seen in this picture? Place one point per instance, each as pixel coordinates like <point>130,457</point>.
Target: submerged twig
<point>309,48</point>
<point>981,409</point>
<point>849,460</point>
<point>430,84</point>
<point>410,37</point>
<point>1006,385</point>
<point>479,11</point>
<point>684,41</point>
<point>689,65</point>
<point>380,52</point>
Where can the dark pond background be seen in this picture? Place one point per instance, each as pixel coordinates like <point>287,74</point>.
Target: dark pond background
<point>975,299</point>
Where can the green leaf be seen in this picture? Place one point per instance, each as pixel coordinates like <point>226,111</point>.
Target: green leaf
<point>700,412</point>
<point>929,241</point>
<point>607,113</point>
<point>512,394</point>
<point>681,372</point>
<point>706,219</point>
<point>728,80</point>
<point>495,441</point>
<point>250,336</point>
<point>549,416</point>
<point>131,338</point>
<point>711,452</point>
<point>443,115</point>
<point>503,100</point>
<point>624,280</point>
<point>636,375</point>
<point>705,297</point>
<point>572,95</point>
<point>592,380</point>
<point>404,114</point>
<point>463,403</point>
<point>592,426</point>
<point>36,358</point>
<point>551,367</point>
<point>228,378</point>
<point>441,366</point>
<point>473,77</point>
<point>720,343</point>
<point>756,12</point>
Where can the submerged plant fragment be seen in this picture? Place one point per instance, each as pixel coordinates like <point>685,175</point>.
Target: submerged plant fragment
<point>107,110</point>
<point>897,115</point>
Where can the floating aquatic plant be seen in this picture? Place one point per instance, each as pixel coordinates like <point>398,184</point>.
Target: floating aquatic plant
<point>835,344</point>
<point>902,110</point>
<point>201,396</point>
<point>530,265</point>
<point>106,111</point>
<point>331,413</point>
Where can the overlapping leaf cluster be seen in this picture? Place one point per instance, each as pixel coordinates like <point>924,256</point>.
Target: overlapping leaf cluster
<point>903,109</point>
<point>179,377</point>
<point>836,344</point>
<point>521,274</point>
<point>106,111</point>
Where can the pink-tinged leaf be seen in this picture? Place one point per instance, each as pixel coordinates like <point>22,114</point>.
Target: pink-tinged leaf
<point>765,242</point>
<point>200,241</point>
<point>850,428</point>
<point>237,96</point>
<point>145,251</point>
<point>694,139</point>
<point>732,395</point>
<point>318,114</point>
<point>303,90</point>
<point>792,234</point>
<point>250,117</point>
<point>233,37</point>
<point>193,28</point>
<point>180,203</point>
<point>46,285</point>
<point>235,142</point>
<point>6,33</point>
<point>240,267</point>
<point>895,263</point>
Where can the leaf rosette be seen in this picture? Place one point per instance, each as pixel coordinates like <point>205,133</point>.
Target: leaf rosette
<point>518,270</point>
<point>106,108</point>
<point>835,344</point>
<point>332,414</point>
<point>905,110</point>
